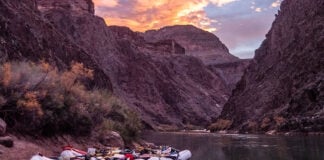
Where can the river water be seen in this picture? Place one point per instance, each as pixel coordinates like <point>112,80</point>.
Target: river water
<point>209,146</point>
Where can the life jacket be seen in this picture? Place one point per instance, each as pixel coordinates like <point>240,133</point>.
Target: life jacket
<point>75,150</point>
<point>129,156</point>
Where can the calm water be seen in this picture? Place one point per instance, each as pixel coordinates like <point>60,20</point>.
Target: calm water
<point>208,146</point>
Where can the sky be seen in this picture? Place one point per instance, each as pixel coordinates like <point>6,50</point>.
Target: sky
<point>240,24</point>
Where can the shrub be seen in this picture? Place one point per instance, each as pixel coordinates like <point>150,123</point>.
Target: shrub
<point>252,126</point>
<point>122,120</point>
<point>37,98</point>
<point>279,121</point>
<point>265,124</point>
<point>220,124</point>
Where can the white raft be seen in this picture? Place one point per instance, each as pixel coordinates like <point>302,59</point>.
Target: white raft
<point>182,155</point>
<point>39,157</point>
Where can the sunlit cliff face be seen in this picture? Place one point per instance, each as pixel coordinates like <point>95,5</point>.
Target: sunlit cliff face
<point>234,21</point>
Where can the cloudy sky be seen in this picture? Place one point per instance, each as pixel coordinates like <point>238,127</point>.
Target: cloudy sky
<point>240,24</point>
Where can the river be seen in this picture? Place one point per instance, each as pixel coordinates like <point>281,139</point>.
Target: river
<point>209,146</point>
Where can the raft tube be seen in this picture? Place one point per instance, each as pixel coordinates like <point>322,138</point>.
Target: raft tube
<point>39,157</point>
<point>184,155</point>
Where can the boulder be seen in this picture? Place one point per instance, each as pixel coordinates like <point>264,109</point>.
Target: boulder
<point>3,127</point>
<point>112,139</point>
<point>6,141</point>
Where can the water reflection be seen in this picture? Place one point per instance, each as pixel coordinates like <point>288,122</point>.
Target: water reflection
<point>243,147</point>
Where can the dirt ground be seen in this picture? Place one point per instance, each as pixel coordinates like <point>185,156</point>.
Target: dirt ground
<point>24,148</point>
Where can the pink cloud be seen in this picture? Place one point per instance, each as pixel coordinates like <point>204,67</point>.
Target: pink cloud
<point>141,15</point>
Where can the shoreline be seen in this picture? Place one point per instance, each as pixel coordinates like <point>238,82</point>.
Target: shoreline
<point>203,132</point>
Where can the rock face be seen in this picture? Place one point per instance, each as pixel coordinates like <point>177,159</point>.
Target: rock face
<point>230,72</point>
<point>283,87</point>
<point>79,6</point>
<point>205,46</point>
<point>160,47</point>
<point>26,35</point>
<point>167,89</point>
<point>198,43</point>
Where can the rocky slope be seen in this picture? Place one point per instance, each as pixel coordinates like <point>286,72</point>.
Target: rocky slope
<point>197,42</point>
<point>283,87</point>
<point>165,86</point>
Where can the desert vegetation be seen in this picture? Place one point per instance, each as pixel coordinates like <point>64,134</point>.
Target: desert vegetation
<point>221,124</point>
<point>39,99</point>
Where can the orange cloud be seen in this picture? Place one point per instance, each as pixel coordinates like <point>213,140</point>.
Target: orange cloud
<point>141,15</point>
<point>106,3</point>
<point>276,3</point>
<point>258,9</point>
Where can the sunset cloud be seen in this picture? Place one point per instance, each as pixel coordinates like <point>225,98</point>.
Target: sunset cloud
<point>106,3</point>
<point>240,24</point>
<point>276,3</point>
<point>141,15</point>
<point>258,9</point>
<point>221,2</point>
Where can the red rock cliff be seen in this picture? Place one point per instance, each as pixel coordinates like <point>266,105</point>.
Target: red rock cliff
<point>283,88</point>
<point>26,35</point>
<point>166,89</point>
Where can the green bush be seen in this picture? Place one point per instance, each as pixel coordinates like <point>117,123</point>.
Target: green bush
<point>37,98</point>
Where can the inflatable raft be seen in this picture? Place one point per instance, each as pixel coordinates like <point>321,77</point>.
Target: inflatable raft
<point>163,153</point>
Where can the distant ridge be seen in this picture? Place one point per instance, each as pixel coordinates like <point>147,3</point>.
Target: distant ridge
<point>197,42</point>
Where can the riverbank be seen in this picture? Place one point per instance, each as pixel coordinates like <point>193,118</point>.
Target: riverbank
<point>24,147</point>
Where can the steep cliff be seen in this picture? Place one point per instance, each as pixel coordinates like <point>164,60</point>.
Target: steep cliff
<point>230,72</point>
<point>197,42</point>
<point>26,35</point>
<point>283,87</point>
<point>166,87</point>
